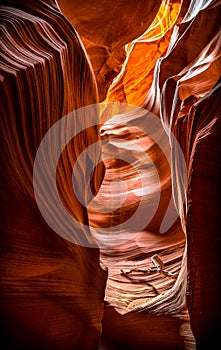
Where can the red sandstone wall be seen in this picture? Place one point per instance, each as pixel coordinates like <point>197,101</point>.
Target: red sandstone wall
<point>52,290</point>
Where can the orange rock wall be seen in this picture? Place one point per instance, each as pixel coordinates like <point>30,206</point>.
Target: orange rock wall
<point>161,55</point>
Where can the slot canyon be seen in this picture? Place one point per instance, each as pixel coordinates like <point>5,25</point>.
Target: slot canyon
<point>110,174</point>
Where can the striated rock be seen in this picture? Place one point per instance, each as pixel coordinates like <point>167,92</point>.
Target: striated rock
<point>181,93</point>
<point>51,289</point>
<point>162,289</point>
<point>136,77</point>
<point>186,91</point>
<point>127,250</point>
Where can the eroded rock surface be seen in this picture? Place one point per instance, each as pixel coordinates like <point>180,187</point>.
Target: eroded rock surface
<point>165,57</point>
<point>51,290</point>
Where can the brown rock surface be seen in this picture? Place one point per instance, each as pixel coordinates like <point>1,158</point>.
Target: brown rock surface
<point>105,27</point>
<point>165,57</point>
<point>190,108</point>
<point>51,290</point>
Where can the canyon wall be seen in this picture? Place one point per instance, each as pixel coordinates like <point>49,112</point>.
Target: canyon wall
<point>52,290</point>
<point>163,56</point>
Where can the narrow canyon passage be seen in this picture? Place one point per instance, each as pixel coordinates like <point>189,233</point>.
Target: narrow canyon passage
<point>138,173</point>
<point>118,102</point>
<point>137,184</point>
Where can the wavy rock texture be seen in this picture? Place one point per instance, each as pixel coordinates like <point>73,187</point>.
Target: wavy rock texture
<point>105,27</point>
<point>136,76</point>
<point>190,109</point>
<point>51,290</point>
<point>151,54</point>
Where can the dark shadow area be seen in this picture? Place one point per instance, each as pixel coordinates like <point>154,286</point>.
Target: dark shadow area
<point>139,331</point>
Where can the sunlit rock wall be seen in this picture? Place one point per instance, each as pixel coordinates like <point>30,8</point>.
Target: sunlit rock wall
<point>105,27</point>
<point>187,90</point>
<point>165,57</point>
<point>172,69</point>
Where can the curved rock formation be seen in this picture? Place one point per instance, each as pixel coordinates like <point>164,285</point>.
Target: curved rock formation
<point>51,290</point>
<point>105,27</point>
<point>135,79</point>
<point>162,289</point>
<point>190,109</point>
